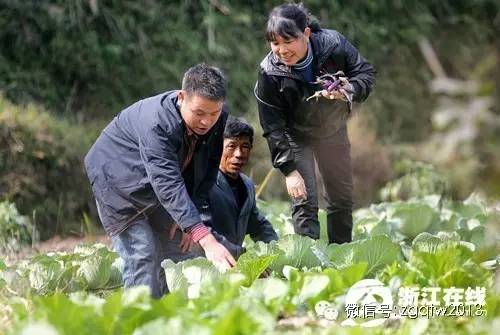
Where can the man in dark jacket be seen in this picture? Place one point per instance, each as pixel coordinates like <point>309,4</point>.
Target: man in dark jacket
<point>154,165</point>
<point>232,198</point>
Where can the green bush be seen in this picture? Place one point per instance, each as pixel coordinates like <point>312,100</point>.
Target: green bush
<point>15,229</point>
<point>95,57</point>
<point>416,179</point>
<point>41,168</point>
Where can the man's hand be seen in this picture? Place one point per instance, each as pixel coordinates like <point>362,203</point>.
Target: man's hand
<point>217,253</point>
<point>295,185</point>
<point>186,240</point>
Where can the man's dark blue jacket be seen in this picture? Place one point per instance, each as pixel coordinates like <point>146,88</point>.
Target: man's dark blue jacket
<point>232,222</point>
<point>135,164</point>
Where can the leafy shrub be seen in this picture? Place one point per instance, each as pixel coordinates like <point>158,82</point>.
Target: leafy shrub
<point>81,55</point>
<point>15,229</point>
<point>416,179</point>
<point>41,168</point>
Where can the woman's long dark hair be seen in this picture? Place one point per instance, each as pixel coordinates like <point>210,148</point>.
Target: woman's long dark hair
<point>289,21</point>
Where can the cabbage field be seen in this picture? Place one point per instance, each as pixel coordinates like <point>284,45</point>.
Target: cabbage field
<point>422,245</point>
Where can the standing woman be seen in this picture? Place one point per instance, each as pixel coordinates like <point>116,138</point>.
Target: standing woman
<point>300,131</point>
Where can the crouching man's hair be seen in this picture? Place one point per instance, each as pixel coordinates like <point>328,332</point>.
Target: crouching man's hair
<point>238,127</point>
<point>205,81</point>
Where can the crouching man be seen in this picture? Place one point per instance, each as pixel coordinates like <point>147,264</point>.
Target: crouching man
<point>153,165</point>
<point>232,202</point>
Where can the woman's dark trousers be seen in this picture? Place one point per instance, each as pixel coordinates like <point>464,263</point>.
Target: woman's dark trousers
<point>333,157</point>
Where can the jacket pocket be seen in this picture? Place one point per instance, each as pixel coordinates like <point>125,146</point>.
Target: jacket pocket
<point>115,202</point>
<point>124,191</point>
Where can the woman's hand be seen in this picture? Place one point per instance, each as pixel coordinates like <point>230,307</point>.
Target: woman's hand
<point>295,185</point>
<point>344,92</point>
<point>334,95</point>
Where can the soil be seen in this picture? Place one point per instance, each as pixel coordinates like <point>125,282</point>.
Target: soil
<point>56,243</point>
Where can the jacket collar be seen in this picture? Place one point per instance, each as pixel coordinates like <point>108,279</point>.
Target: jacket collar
<point>221,180</point>
<point>228,192</point>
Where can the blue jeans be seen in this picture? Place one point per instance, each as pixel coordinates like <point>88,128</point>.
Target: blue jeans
<point>144,245</point>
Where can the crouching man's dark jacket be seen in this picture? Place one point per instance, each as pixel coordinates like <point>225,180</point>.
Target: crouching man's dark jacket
<point>232,223</point>
<point>135,165</point>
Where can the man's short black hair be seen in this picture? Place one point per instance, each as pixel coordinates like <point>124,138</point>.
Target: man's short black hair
<point>206,81</point>
<point>238,127</point>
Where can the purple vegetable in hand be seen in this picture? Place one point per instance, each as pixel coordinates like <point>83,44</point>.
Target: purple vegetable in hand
<point>334,85</point>
<point>328,82</point>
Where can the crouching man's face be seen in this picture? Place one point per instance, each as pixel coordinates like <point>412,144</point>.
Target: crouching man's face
<point>235,155</point>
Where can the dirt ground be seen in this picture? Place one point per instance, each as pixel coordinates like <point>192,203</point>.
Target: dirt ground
<point>56,243</point>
